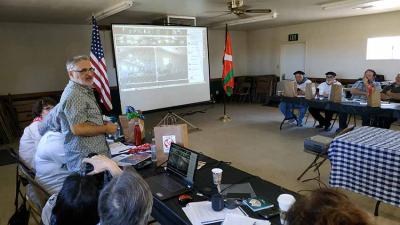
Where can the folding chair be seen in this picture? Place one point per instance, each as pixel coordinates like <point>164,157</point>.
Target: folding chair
<point>26,176</point>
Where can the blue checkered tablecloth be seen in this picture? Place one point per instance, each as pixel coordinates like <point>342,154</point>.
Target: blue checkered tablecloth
<point>367,161</point>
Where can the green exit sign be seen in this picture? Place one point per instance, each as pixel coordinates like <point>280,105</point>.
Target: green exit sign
<point>293,37</point>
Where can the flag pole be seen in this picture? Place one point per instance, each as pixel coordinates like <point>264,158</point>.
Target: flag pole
<point>225,118</point>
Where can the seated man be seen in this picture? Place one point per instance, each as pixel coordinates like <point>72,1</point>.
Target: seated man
<point>359,88</point>
<point>392,92</point>
<point>324,90</point>
<point>359,91</point>
<point>326,206</point>
<point>31,137</point>
<point>287,108</point>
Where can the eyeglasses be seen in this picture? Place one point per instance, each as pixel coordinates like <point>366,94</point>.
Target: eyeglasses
<point>85,70</point>
<point>48,108</point>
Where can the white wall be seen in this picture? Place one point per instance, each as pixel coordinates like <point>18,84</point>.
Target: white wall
<point>338,45</point>
<point>216,45</point>
<point>32,56</point>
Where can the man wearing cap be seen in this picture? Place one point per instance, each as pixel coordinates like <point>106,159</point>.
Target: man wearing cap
<point>287,108</point>
<point>324,90</point>
<point>80,116</point>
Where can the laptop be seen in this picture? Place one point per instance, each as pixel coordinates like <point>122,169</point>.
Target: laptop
<point>137,160</point>
<point>179,175</point>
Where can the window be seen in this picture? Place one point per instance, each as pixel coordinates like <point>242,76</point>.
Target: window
<point>380,48</point>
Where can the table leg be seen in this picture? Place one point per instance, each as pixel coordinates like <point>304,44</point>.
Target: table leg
<point>376,213</point>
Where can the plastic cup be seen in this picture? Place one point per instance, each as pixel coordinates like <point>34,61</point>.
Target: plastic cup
<point>217,175</point>
<point>285,201</point>
<point>217,178</point>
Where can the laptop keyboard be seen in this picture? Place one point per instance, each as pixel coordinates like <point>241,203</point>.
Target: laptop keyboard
<point>168,183</point>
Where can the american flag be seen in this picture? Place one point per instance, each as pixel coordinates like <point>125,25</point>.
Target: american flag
<point>97,60</point>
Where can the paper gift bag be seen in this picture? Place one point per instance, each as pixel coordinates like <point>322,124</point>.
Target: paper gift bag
<point>310,91</point>
<point>336,93</point>
<point>165,135</point>
<point>128,127</point>
<point>289,88</point>
<point>374,99</point>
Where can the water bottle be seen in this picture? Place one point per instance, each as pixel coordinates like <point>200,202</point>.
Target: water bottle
<point>137,134</point>
<point>153,151</point>
<point>118,132</point>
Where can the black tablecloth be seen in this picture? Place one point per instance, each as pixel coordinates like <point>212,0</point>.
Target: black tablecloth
<point>391,110</point>
<point>170,212</point>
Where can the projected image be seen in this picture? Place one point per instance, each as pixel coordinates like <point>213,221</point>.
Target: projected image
<point>171,63</point>
<point>136,65</point>
<point>166,64</point>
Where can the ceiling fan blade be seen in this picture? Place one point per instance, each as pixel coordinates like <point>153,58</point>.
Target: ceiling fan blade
<point>258,10</point>
<point>217,11</point>
<point>243,16</point>
<point>221,15</point>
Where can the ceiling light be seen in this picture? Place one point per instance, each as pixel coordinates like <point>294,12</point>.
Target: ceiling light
<point>344,4</point>
<point>117,8</point>
<point>385,4</point>
<point>245,21</point>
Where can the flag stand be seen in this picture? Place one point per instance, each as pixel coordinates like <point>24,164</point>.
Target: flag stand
<point>227,73</point>
<point>225,118</point>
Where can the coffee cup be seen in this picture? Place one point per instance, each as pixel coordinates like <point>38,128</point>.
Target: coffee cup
<point>217,177</point>
<point>285,201</point>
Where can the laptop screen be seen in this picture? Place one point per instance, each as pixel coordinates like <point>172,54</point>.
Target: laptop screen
<point>182,162</point>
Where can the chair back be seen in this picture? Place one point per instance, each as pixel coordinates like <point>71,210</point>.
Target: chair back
<point>36,196</point>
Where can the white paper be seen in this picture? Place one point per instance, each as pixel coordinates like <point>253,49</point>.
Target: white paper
<point>234,219</point>
<point>167,140</point>
<point>200,213</point>
<point>118,147</point>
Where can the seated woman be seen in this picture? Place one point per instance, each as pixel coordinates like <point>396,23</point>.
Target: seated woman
<point>127,199</point>
<point>50,155</point>
<point>31,137</point>
<point>50,162</point>
<point>326,206</point>
<point>76,203</point>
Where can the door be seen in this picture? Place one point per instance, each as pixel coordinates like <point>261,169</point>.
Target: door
<point>292,59</point>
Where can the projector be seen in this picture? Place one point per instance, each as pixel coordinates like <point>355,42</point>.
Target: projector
<point>176,21</point>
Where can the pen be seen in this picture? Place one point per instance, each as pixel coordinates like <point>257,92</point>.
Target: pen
<point>240,208</point>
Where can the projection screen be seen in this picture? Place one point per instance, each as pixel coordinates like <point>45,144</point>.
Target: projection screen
<point>161,66</point>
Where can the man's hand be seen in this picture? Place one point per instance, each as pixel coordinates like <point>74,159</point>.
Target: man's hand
<point>384,96</point>
<point>110,128</point>
<point>365,80</point>
<point>102,163</point>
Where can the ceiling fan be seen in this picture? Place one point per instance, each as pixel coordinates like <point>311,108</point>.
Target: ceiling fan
<point>238,8</point>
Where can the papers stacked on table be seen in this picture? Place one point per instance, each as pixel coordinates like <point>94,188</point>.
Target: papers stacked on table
<point>233,219</point>
<point>118,147</point>
<point>200,213</point>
